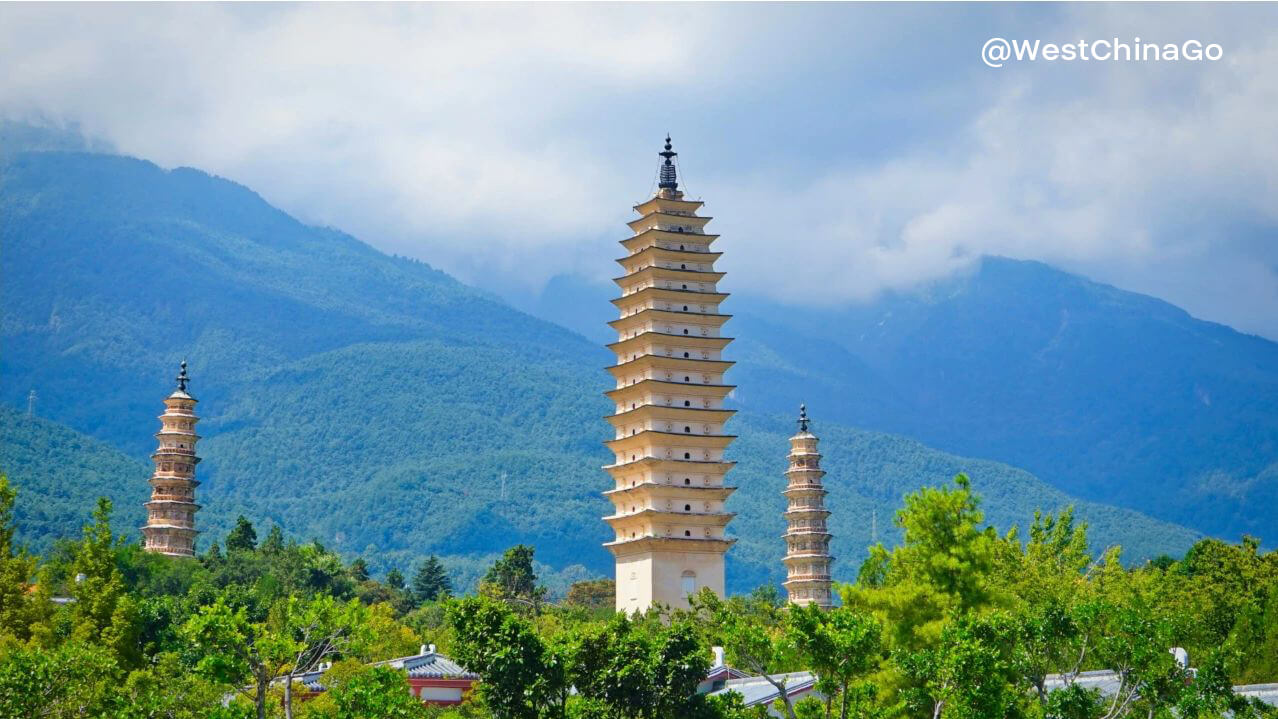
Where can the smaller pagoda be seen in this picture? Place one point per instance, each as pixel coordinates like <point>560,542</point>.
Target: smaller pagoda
<point>807,540</point>
<point>170,515</point>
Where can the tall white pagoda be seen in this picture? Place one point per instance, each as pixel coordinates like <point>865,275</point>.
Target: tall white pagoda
<point>669,436</point>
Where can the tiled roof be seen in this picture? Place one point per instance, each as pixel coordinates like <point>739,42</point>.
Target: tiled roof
<point>1267,693</point>
<point>1108,682</point>
<point>757,690</point>
<point>429,665</point>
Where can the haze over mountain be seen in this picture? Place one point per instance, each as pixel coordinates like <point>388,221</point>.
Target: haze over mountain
<point>383,407</point>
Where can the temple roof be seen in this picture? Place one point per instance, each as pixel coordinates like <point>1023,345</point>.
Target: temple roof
<point>758,691</point>
<point>427,665</point>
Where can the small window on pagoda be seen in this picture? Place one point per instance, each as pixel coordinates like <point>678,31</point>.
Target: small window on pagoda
<point>683,267</point>
<point>687,403</point>
<point>687,507</point>
<point>687,532</point>
<point>685,354</point>
<point>685,308</point>
<point>687,455</point>
<point>685,332</point>
<point>685,287</point>
<point>687,379</point>
<point>686,480</point>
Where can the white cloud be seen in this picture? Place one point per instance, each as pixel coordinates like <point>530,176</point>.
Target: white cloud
<point>484,138</point>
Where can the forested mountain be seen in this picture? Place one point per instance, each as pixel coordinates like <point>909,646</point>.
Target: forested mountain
<point>1105,394</point>
<point>371,401</point>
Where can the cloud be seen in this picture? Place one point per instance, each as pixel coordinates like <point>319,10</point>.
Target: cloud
<point>860,148</point>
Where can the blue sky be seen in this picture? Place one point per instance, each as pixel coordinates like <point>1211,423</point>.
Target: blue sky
<point>860,147</point>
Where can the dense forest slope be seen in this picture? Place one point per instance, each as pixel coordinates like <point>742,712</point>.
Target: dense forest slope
<point>370,401</point>
<point>1105,394</point>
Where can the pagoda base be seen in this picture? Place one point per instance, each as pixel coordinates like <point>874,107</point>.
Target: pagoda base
<point>655,570</point>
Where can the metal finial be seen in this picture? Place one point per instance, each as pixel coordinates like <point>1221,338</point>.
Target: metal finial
<point>803,418</point>
<point>182,377</point>
<point>668,179</point>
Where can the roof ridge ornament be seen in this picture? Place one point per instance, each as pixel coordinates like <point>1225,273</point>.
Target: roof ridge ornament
<point>182,377</point>
<point>803,418</point>
<point>668,180</point>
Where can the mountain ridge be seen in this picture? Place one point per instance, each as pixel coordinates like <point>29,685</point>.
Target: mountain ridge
<point>384,429</point>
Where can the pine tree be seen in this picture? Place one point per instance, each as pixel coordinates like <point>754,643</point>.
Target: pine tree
<point>513,579</point>
<point>431,583</point>
<point>359,569</point>
<point>274,542</point>
<point>243,538</point>
<point>394,579</point>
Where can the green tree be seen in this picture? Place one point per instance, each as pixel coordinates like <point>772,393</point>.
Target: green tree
<point>592,594</point>
<point>226,647</point>
<point>102,612</point>
<point>971,674</point>
<point>841,645</point>
<point>376,692</point>
<point>944,565</point>
<point>16,570</point>
<point>521,676</point>
<point>395,579</point>
<point>242,537</point>
<point>274,542</point>
<point>512,579</point>
<point>431,583</point>
<point>750,633</point>
<point>359,570</point>
<point>304,633</point>
<point>72,680</point>
<point>641,671</point>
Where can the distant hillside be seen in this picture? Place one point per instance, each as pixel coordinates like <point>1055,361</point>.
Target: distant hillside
<point>1105,394</point>
<point>370,401</point>
<point>60,474</point>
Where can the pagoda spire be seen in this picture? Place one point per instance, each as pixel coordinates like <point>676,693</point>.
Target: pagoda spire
<point>807,539</point>
<point>170,515</point>
<point>669,181</point>
<point>669,418</point>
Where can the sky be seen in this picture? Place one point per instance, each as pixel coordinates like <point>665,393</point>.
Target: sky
<point>844,150</point>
